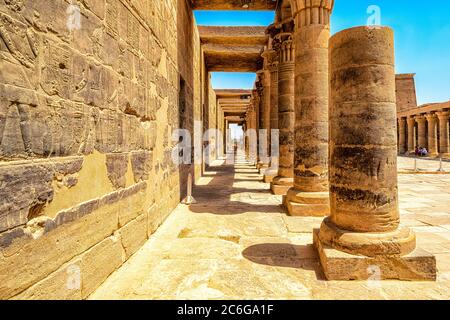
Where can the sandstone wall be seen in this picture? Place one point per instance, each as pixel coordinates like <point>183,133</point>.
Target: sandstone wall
<point>406,92</point>
<point>86,119</point>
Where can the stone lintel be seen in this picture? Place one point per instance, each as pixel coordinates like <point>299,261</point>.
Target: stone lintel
<point>248,35</point>
<point>339,265</point>
<point>267,5</point>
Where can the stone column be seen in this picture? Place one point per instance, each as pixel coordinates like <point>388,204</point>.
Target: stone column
<point>402,135</point>
<point>272,57</point>
<point>432,135</point>
<point>422,131</point>
<point>411,135</point>
<point>259,89</point>
<point>227,135</point>
<point>286,116</point>
<point>309,195</point>
<point>264,77</point>
<point>362,230</point>
<point>252,136</point>
<point>443,132</point>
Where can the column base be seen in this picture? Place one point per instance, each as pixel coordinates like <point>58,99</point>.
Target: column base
<point>307,204</point>
<point>339,265</point>
<point>281,185</point>
<point>269,175</point>
<point>262,168</point>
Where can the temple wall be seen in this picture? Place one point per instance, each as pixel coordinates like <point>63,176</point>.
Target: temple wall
<point>405,92</point>
<point>86,118</point>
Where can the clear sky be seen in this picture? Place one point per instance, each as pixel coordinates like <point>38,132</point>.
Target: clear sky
<point>422,32</point>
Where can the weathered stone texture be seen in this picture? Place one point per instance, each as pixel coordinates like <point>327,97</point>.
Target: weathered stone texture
<point>86,116</point>
<point>405,89</point>
<point>311,36</point>
<point>364,229</point>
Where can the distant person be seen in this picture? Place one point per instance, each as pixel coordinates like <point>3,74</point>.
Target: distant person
<point>424,152</point>
<point>416,151</point>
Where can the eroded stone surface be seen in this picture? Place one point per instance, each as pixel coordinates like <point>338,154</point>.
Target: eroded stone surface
<point>89,95</point>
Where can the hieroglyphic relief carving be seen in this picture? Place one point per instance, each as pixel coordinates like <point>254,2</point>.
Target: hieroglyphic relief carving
<point>133,31</point>
<point>15,5</point>
<point>19,49</point>
<point>112,16</point>
<point>56,72</point>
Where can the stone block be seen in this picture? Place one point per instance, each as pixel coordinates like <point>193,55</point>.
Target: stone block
<point>99,262</point>
<point>338,265</point>
<point>27,187</point>
<point>278,189</point>
<point>63,284</point>
<point>314,204</point>
<point>134,235</point>
<point>153,219</point>
<point>30,255</point>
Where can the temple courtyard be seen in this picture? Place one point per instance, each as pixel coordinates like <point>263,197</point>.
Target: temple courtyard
<point>233,245</point>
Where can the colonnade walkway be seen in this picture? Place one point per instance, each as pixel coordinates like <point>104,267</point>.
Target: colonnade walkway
<point>237,243</point>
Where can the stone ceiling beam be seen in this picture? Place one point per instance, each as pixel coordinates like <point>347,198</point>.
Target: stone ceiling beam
<point>233,35</point>
<point>268,5</point>
<point>233,49</point>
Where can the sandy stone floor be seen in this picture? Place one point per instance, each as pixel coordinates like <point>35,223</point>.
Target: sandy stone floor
<point>237,243</point>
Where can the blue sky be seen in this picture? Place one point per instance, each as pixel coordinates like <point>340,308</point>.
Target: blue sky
<point>422,33</point>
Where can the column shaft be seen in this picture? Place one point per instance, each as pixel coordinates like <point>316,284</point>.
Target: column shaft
<point>272,60</point>
<point>363,154</point>
<point>422,131</point>
<point>443,132</point>
<point>411,135</point>
<point>432,134</point>
<point>286,117</point>
<point>402,136</point>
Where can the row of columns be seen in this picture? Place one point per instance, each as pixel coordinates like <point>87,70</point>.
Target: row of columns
<point>430,131</point>
<point>339,165</point>
<point>293,96</point>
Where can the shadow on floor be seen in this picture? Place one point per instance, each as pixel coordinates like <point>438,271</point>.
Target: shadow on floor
<point>215,197</point>
<point>285,255</point>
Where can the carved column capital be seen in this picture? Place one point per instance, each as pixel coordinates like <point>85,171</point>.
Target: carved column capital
<point>259,83</point>
<point>401,120</point>
<point>420,118</point>
<point>311,12</point>
<point>270,60</point>
<point>287,48</point>
<point>442,115</point>
<point>411,120</point>
<point>430,117</point>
